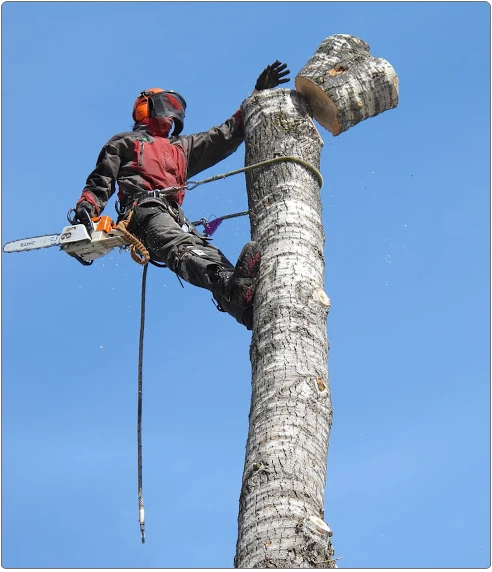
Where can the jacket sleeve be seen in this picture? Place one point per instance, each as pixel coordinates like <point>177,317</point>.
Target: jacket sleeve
<point>205,149</point>
<point>101,183</point>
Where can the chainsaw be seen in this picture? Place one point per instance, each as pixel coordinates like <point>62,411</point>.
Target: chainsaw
<point>96,238</point>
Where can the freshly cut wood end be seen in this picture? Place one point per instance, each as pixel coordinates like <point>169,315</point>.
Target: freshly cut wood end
<point>344,84</point>
<point>322,107</point>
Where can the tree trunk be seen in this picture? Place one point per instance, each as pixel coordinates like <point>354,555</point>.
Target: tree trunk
<point>344,84</point>
<point>282,496</point>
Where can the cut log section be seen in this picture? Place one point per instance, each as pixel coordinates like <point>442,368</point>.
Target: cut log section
<point>344,84</point>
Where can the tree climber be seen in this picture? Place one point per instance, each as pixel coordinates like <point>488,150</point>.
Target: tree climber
<point>147,160</point>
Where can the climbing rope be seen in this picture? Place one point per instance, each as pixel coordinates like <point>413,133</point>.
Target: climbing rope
<point>141,512</point>
<point>191,185</point>
<point>255,166</point>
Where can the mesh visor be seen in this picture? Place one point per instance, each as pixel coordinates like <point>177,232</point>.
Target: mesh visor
<point>169,104</point>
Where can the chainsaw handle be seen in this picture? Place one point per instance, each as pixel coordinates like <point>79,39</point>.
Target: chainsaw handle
<point>81,260</point>
<point>72,219</point>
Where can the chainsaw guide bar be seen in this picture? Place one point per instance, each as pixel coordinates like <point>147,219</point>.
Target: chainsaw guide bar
<point>76,240</point>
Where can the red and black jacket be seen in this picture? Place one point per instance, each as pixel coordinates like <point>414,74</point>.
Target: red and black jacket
<point>141,160</point>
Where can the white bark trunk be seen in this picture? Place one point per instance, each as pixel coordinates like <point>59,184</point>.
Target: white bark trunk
<point>344,84</point>
<point>282,496</point>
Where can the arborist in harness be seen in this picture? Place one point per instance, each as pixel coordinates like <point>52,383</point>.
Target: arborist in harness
<point>148,160</point>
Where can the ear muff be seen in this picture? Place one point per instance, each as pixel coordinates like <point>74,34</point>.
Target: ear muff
<point>141,107</point>
<point>141,110</point>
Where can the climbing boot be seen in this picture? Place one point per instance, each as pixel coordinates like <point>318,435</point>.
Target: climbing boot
<point>237,285</point>
<point>242,314</point>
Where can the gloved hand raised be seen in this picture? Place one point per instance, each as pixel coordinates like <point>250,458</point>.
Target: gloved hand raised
<point>272,76</point>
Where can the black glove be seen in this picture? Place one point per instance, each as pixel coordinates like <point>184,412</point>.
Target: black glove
<point>83,213</point>
<point>272,76</point>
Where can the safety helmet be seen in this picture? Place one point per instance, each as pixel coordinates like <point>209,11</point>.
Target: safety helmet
<point>157,102</point>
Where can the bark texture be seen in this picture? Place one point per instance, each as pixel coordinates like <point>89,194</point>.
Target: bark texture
<point>344,84</point>
<point>282,495</point>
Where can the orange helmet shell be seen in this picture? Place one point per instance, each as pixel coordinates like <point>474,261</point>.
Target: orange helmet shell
<point>141,108</point>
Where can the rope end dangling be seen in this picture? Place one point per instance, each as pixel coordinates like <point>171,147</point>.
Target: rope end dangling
<point>141,520</point>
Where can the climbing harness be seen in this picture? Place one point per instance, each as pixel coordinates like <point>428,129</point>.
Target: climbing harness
<point>141,255</point>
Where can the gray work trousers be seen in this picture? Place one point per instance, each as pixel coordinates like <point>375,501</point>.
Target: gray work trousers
<point>189,255</point>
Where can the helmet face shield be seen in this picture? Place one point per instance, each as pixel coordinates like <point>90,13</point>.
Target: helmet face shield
<point>168,104</point>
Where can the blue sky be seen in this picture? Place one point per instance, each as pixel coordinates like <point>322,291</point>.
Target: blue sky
<point>406,211</point>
